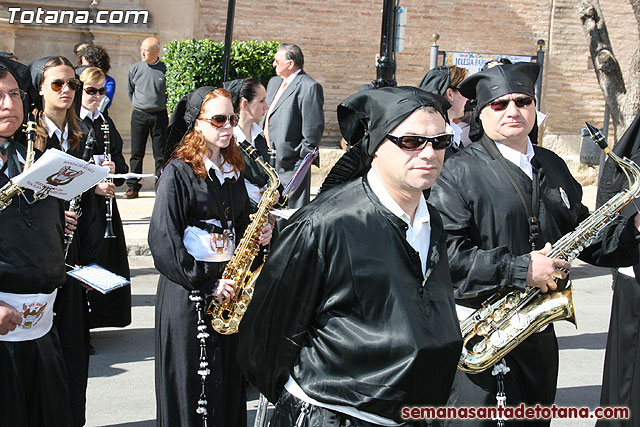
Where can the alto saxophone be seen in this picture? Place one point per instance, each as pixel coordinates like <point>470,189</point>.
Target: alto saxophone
<point>507,319</point>
<point>226,316</point>
<point>9,189</point>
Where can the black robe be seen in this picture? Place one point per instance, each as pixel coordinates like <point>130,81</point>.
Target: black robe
<point>181,198</point>
<point>343,307</point>
<point>112,309</point>
<point>33,389</point>
<point>621,376</point>
<point>488,250</point>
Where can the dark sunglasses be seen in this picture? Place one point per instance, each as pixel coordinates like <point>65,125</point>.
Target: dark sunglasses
<point>418,142</point>
<point>502,104</point>
<point>220,120</point>
<point>58,84</point>
<point>95,90</point>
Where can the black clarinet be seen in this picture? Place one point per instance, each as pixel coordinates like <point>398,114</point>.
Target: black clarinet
<point>108,232</point>
<point>74,204</point>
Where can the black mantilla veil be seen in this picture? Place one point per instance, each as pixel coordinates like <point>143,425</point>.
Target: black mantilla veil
<point>234,86</point>
<point>437,80</point>
<point>184,118</point>
<point>367,117</point>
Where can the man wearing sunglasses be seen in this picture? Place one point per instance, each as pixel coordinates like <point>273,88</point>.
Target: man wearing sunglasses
<point>148,95</point>
<point>503,203</point>
<point>361,271</point>
<point>33,381</point>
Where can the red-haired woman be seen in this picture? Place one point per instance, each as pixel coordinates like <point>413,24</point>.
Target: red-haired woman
<point>200,213</point>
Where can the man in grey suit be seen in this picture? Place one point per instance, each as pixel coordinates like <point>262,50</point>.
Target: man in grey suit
<point>295,120</point>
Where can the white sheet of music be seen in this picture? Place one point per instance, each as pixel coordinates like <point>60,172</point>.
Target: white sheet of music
<point>98,278</point>
<point>60,175</point>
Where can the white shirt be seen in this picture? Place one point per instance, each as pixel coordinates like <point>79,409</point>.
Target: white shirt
<point>227,170</point>
<point>523,161</point>
<point>289,79</point>
<point>419,232</point>
<point>62,136</point>
<point>253,191</point>
<point>93,116</point>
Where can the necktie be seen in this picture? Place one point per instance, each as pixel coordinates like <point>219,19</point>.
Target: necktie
<point>271,107</point>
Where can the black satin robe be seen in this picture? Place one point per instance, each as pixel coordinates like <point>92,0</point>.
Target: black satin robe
<point>33,388</point>
<point>621,376</point>
<point>342,305</point>
<point>112,309</point>
<point>488,250</point>
<point>488,234</point>
<point>180,197</point>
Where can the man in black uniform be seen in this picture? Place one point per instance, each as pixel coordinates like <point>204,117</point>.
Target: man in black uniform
<point>353,315</point>
<point>503,202</point>
<point>33,387</point>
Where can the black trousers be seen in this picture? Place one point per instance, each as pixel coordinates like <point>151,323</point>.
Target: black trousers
<point>288,409</point>
<point>532,380</point>
<point>144,124</point>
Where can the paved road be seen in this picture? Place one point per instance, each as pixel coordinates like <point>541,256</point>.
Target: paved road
<point>121,390</point>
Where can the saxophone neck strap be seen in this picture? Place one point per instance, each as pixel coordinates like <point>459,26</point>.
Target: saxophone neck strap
<point>531,206</point>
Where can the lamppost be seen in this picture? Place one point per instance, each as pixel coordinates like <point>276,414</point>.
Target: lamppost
<point>386,66</point>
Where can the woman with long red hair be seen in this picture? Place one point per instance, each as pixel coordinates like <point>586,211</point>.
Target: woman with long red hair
<point>200,214</point>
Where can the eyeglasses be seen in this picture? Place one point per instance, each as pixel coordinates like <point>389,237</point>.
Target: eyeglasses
<point>14,94</point>
<point>418,142</point>
<point>220,120</point>
<point>58,84</point>
<point>502,104</point>
<point>95,90</point>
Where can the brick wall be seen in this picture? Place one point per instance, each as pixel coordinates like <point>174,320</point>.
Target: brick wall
<point>340,40</point>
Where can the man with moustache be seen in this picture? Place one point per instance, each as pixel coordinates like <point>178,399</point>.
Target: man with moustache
<point>33,387</point>
<point>361,270</point>
<point>503,202</point>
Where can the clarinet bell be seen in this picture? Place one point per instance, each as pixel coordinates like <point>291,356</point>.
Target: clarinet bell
<point>108,231</point>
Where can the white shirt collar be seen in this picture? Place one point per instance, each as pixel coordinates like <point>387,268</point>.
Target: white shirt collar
<point>240,136</point>
<point>422,212</point>
<point>523,161</point>
<point>20,159</point>
<point>456,131</point>
<point>226,172</point>
<point>293,75</point>
<point>52,128</point>
<point>93,116</point>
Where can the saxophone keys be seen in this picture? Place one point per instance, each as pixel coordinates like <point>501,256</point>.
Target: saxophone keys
<point>520,321</point>
<point>479,347</point>
<point>217,324</point>
<point>499,339</point>
<point>483,328</point>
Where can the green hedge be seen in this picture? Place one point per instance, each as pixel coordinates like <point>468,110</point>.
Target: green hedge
<point>195,63</point>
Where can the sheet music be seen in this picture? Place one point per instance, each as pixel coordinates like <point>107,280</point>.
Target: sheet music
<point>283,213</point>
<point>98,278</point>
<point>299,174</point>
<point>60,175</point>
